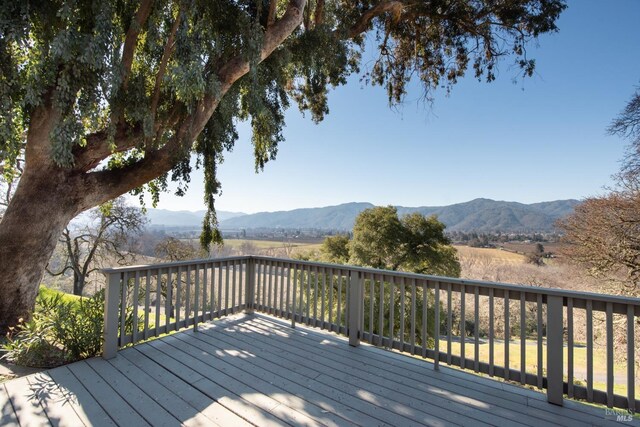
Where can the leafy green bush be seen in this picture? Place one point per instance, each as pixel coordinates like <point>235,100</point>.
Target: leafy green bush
<point>61,330</point>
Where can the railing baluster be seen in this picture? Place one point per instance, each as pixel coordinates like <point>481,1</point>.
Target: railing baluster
<point>158,301</point>
<point>178,297</point>
<point>270,290</point>
<point>609,327</point>
<point>449,323</point>
<point>196,299</point>
<point>123,308</point>
<point>168,303</point>
<point>631,391</point>
<point>219,304</point>
<point>507,334</point>
<point>339,311</point>
<point>205,286</point>
<point>315,297</point>
<point>258,301</point>
<point>402,288</point>
<point>425,323</point>
<point>436,327</point>
<point>304,294</point>
<point>281,300</point>
<point>226,288</point>
<point>234,301</point>
<point>187,304</point>
<point>308,296</point>
<point>413,316</point>
<point>381,313</point>
<point>331,299</point>
<point>288,307</point>
<point>324,293</point>
<point>589,350</point>
<point>392,295</point>
<point>347,299</point>
<point>476,328</point>
<point>293,307</point>
<point>147,304</point>
<point>134,304</point>
<point>463,329</point>
<point>523,338</point>
<point>491,332</point>
<point>570,390</point>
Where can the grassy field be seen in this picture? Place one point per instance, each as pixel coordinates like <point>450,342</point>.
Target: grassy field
<point>271,245</point>
<point>531,361</point>
<point>499,255</point>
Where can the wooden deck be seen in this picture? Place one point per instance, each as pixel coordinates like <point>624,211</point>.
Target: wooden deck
<point>256,370</point>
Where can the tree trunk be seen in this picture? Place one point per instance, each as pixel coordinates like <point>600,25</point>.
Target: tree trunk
<point>42,206</point>
<point>78,283</point>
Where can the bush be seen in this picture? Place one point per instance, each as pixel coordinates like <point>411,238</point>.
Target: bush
<point>61,330</point>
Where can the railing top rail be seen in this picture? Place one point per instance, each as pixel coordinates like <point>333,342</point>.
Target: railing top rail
<point>480,283</point>
<point>172,264</point>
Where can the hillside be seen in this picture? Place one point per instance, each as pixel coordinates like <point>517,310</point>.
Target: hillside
<point>482,215</point>
<point>167,218</point>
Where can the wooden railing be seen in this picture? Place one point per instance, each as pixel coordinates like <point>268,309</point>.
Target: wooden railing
<point>462,323</point>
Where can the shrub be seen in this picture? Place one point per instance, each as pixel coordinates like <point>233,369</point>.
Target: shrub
<point>61,330</point>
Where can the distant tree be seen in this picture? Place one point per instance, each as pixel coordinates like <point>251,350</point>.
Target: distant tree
<point>173,249</point>
<point>335,249</point>
<point>412,243</point>
<point>537,256</point>
<point>426,248</point>
<point>603,233</point>
<point>105,239</point>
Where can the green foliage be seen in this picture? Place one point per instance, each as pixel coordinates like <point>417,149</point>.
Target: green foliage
<point>334,300</point>
<point>412,243</point>
<point>61,330</point>
<point>335,249</point>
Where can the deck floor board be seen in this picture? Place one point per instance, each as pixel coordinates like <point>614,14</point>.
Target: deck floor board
<point>256,370</point>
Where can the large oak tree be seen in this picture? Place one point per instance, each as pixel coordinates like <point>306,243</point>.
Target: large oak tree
<point>108,97</point>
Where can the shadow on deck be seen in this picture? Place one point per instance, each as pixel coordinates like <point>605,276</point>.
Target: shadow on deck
<point>256,370</point>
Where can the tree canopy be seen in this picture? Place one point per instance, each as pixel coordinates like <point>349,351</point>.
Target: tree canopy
<point>100,98</point>
<point>412,243</point>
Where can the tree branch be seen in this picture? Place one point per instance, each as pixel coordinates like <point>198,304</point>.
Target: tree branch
<point>131,39</point>
<point>318,17</point>
<point>366,18</point>
<point>271,17</point>
<point>168,50</point>
<point>98,149</point>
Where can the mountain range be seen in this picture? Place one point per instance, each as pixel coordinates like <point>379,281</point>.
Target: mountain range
<point>481,215</point>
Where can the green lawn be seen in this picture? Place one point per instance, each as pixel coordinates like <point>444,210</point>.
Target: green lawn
<point>531,362</point>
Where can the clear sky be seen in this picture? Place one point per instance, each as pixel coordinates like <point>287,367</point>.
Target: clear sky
<point>535,140</point>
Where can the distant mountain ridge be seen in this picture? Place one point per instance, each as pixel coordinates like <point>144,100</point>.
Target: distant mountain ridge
<point>183,219</point>
<point>481,215</point>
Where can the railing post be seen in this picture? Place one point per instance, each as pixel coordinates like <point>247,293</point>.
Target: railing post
<point>250,286</point>
<point>555,380</point>
<point>355,306</point>
<point>110,327</point>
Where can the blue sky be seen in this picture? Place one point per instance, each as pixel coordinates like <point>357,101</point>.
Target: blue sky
<point>532,140</point>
